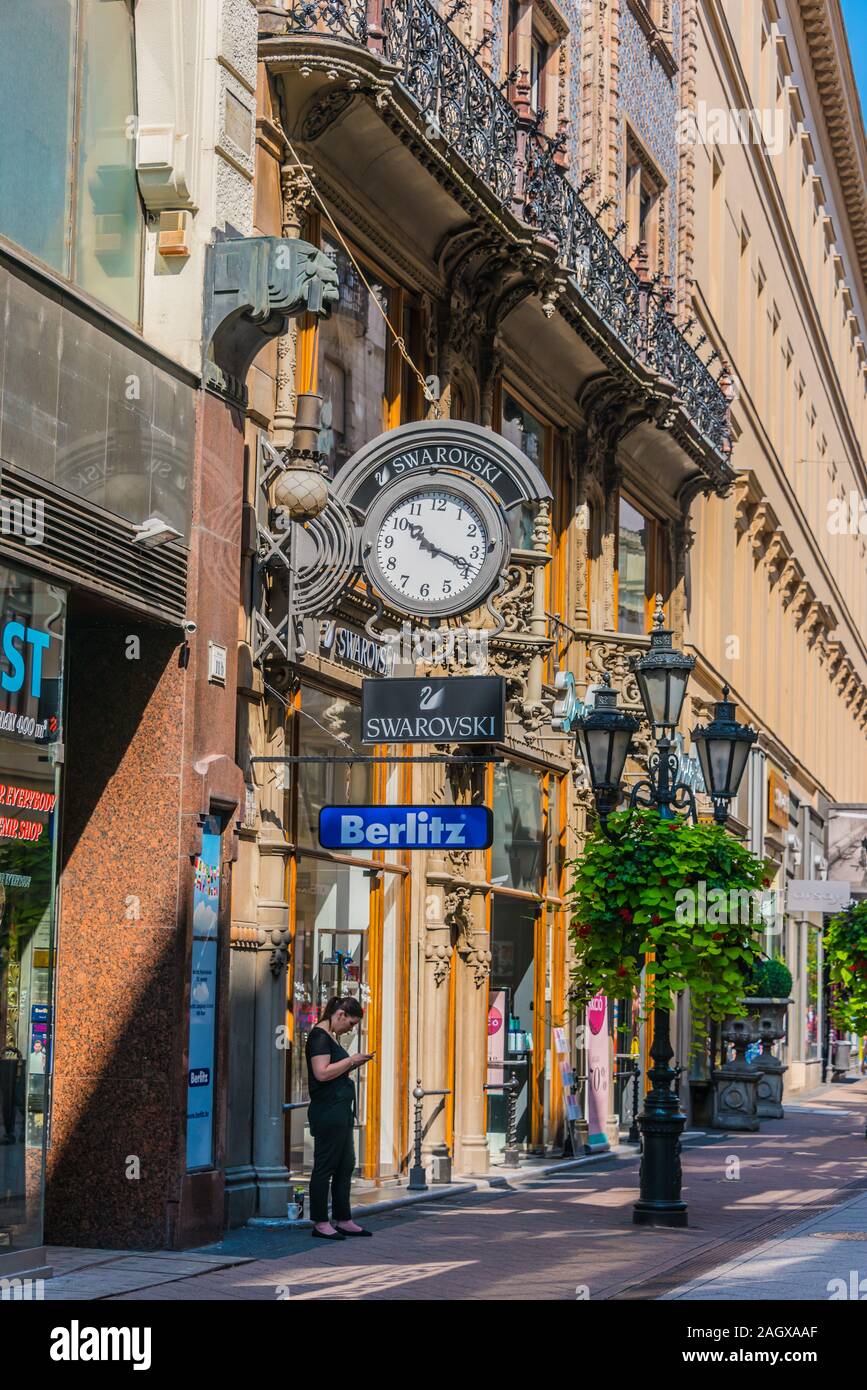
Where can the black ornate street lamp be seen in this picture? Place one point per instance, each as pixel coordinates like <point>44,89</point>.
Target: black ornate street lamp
<point>605,735</point>
<point>723,748</point>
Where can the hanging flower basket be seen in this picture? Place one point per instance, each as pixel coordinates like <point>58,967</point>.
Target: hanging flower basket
<point>846,956</point>
<point>688,896</point>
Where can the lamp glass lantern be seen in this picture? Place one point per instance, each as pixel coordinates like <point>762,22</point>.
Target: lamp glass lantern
<point>662,675</point>
<point>604,737</point>
<point>723,747</point>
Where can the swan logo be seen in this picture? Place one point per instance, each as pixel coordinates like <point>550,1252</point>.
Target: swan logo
<point>431,698</point>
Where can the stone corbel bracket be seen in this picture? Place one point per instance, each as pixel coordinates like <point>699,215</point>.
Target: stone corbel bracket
<point>253,286</point>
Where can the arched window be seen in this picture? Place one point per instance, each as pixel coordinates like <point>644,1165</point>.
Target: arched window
<point>68,190</point>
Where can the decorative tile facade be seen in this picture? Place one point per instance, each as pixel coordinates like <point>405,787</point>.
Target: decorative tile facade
<point>648,99</point>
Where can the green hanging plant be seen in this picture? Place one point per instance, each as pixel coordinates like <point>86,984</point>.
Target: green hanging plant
<point>846,957</point>
<point>687,894</point>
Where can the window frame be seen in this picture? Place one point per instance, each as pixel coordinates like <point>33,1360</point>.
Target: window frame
<point>67,283</point>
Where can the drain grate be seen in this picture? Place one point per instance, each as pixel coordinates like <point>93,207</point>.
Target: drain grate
<point>839,1235</point>
<point>724,1251</point>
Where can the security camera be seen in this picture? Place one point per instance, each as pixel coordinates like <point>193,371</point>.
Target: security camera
<point>189,626</point>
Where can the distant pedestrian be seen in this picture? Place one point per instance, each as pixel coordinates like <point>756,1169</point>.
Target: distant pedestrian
<point>331,1116</point>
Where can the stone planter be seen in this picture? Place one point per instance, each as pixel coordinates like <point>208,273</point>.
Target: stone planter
<point>768,1017</point>
<point>735,1085</point>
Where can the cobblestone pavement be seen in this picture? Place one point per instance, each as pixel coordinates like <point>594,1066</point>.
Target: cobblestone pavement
<point>571,1235</point>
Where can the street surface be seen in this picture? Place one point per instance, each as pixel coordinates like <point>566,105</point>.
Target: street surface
<point>776,1214</point>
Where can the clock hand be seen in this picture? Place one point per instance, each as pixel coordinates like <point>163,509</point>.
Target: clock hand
<point>418,535</point>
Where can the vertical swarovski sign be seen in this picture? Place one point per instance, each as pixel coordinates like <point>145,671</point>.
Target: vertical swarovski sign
<point>203,1000</point>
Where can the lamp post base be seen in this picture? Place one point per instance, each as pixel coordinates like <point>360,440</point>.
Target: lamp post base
<point>661,1124</point>
<point>660,1214</point>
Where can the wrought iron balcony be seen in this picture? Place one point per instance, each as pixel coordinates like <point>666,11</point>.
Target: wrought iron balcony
<point>519,165</point>
<point>453,93</point>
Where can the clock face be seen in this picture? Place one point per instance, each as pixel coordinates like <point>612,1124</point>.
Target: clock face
<point>430,547</point>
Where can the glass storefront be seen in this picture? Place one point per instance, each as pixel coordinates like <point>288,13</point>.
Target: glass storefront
<point>348,933</point>
<point>526,925</point>
<point>32,618</point>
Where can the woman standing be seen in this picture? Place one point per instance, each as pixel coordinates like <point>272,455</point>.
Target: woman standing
<point>331,1116</point>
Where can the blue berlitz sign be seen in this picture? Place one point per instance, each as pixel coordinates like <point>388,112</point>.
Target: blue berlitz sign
<point>406,827</point>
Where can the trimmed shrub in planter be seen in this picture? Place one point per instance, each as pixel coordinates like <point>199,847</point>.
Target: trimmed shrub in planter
<point>770,979</point>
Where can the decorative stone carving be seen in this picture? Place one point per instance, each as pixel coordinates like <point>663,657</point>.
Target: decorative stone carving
<point>253,285</point>
<point>615,659</point>
<point>440,956</point>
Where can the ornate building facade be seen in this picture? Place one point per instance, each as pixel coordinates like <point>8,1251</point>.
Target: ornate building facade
<point>778,570</point>
<point>501,194</point>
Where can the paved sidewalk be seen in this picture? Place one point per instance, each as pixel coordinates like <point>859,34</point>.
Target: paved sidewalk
<point>825,1258</point>
<point>570,1234</point>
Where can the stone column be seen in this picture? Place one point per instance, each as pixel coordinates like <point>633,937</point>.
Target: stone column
<point>466,905</point>
<point>436,967</point>
<point>297,200</point>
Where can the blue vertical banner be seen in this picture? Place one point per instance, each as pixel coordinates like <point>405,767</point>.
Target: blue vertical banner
<point>203,1000</point>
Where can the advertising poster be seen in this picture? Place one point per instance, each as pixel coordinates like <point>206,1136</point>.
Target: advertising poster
<point>203,1000</point>
<point>498,1022</point>
<point>597,1071</point>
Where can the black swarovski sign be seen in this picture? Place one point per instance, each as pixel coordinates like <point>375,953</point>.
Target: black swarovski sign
<point>425,709</point>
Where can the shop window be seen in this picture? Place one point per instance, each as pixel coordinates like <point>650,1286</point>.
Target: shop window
<point>31,703</point>
<point>510,1011</point>
<point>518,854</point>
<point>68,191</point>
<point>353,361</point>
<point>330,725</point>
<point>812,992</point>
<point>331,957</point>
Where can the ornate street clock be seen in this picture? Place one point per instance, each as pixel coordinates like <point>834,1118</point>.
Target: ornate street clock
<point>434,544</point>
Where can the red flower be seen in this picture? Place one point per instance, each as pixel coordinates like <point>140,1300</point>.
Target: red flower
<point>626,914</point>
<point>656,919</point>
<point>584,932</point>
<point>719,936</point>
<point>621,969</point>
<point>766,883</point>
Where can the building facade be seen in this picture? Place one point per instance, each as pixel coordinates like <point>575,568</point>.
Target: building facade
<point>451,169</point>
<point>508,225</point>
<point>121,522</point>
<point>778,569</point>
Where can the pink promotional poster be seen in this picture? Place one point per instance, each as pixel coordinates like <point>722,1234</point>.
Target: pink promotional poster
<point>597,1071</point>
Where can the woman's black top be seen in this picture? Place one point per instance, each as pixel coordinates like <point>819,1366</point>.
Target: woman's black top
<point>331,1102</point>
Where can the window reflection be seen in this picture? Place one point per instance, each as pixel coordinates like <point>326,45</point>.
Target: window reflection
<point>632,555</point>
<point>353,359</point>
<point>517,858</point>
<point>329,725</point>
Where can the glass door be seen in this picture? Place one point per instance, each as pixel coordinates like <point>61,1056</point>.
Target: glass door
<point>510,1013</point>
<point>332,932</point>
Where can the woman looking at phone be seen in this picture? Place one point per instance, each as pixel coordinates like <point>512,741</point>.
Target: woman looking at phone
<point>331,1116</point>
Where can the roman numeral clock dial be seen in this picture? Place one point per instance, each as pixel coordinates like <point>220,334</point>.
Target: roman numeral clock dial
<point>434,548</point>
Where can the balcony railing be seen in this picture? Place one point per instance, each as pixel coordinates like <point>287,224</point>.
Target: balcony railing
<point>460,103</point>
<point>467,111</point>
